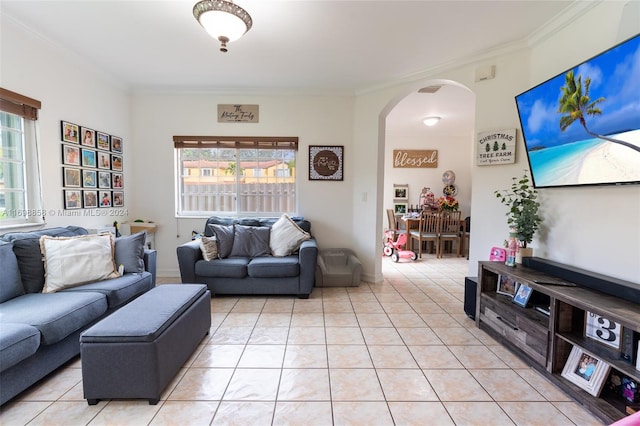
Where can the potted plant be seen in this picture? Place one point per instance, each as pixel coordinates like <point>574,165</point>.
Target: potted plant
<point>523,210</point>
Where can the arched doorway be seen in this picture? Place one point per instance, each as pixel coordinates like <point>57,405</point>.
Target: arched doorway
<point>452,137</point>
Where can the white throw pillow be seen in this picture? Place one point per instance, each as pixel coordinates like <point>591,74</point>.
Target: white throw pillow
<point>286,236</point>
<point>71,261</point>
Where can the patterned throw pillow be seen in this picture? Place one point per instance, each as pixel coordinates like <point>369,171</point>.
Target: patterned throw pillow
<point>209,247</point>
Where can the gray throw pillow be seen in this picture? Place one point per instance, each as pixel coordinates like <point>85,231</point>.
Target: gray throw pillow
<point>224,234</point>
<point>251,241</point>
<point>10,283</point>
<point>129,252</point>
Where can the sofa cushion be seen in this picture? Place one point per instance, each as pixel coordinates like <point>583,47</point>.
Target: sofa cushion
<point>231,267</point>
<point>250,241</point>
<point>10,283</point>
<point>209,247</point>
<point>129,252</point>
<point>17,342</point>
<point>224,234</point>
<point>26,246</point>
<point>71,261</point>
<point>119,290</point>
<point>55,315</point>
<point>286,236</point>
<point>274,267</point>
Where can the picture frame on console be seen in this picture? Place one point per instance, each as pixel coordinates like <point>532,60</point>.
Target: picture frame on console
<point>603,330</point>
<point>522,296</point>
<point>586,371</point>
<point>507,286</point>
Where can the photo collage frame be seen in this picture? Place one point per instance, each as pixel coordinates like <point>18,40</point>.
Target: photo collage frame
<point>92,168</point>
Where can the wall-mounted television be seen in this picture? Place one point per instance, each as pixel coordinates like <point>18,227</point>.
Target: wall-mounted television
<point>582,127</point>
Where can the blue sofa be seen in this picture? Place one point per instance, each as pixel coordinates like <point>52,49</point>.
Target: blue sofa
<point>39,332</point>
<point>293,274</point>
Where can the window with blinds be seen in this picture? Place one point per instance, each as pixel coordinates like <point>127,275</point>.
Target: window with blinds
<point>235,175</point>
<point>20,195</point>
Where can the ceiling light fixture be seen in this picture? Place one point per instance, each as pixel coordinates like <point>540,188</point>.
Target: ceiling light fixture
<point>223,20</point>
<point>431,121</point>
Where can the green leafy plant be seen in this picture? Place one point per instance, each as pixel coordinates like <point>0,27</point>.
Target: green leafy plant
<point>523,208</point>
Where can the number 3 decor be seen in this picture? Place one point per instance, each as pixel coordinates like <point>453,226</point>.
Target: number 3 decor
<point>602,330</point>
<point>326,162</point>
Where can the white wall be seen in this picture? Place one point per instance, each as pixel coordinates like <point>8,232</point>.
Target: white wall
<point>315,120</point>
<point>34,67</point>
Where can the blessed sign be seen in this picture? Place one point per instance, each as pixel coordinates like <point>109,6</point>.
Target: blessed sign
<point>497,147</point>
<point>415,158</point>
<point>234,113</point>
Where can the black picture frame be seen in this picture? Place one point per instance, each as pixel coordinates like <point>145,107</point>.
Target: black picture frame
<point>104,180</point>
<point>87,137</point>
<point>72,199</point>
<point>71,177</point>
<point>90,199</point>
<point>70,155</point>
<point>89,178</point>
<point>116,144</point>
<point>116,162</point>
<point>118,198</point>
<point>104,199</point>
<point>88,158</point>
<point>104,160</point>
<point>326,163</point>
<point>69,132</point>
<point>103,141</point>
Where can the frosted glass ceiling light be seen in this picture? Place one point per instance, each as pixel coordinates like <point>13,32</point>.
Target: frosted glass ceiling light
<point>431,121</point>
<point>223,20</point>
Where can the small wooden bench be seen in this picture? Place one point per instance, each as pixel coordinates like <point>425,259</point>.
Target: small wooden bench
<point>136,351</point>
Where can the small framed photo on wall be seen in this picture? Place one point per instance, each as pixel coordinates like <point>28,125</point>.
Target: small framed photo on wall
<point>88,137</point>
<point>88,158</point>
<point>89,179</point>
<point>118,198</point>
<point>116,144</point>
<point>116,181</point>
<point>104,160</point>
<point>103,141</point>
<point>72,199</point>
<point>105,198</point>
<point>400,208</point>
<point>70,155</point>
<point>401,192</point>
<point>104,180</point>
<point>69,132</point>
<point>116,163</point>
<point>71,177</point>
<point>90,199</point>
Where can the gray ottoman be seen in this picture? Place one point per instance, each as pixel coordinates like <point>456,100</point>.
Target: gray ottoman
<point>338,267</point>
<point>136,351</point>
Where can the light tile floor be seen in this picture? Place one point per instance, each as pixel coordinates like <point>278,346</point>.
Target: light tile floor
<point>402,352</point>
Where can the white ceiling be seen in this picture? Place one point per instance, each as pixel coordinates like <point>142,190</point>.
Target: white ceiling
<point>318,46</point>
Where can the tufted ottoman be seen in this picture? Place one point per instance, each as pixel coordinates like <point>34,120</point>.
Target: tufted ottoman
<point>137,350</point>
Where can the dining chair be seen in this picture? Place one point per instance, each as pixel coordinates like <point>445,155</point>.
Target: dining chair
<point>393,223</point>
<point>427,231</point>
<point>449,230</point>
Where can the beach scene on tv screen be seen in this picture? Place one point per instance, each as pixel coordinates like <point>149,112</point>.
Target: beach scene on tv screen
<point>582,127</point>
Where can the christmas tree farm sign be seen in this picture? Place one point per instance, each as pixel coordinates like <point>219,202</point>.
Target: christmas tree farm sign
<point>496,147</point>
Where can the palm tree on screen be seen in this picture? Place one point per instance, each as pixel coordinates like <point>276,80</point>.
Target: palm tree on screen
<point>576,105</point>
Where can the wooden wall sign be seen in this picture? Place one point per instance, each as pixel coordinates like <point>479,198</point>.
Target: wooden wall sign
<point>415,158</point>
<point>498,147</point>
<point>235,113</point>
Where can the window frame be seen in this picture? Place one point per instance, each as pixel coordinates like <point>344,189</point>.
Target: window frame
<point>27,109</point>
<point>236,143</point>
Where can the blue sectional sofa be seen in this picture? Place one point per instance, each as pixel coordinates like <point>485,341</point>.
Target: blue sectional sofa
<point>39,332</point>
<point>251,270</point>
